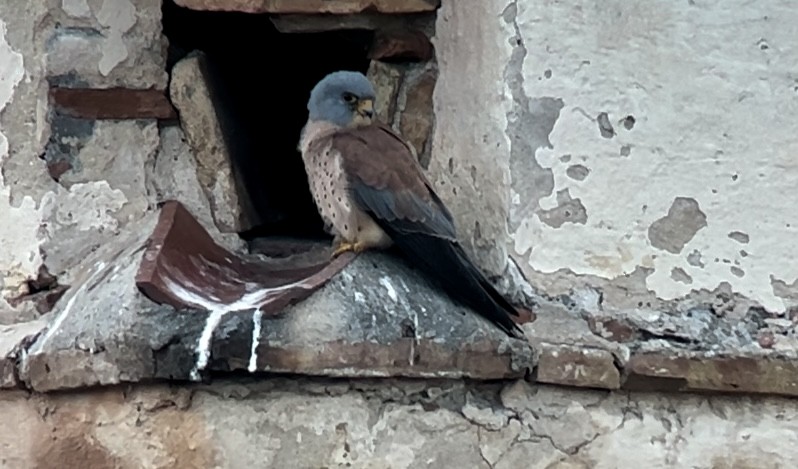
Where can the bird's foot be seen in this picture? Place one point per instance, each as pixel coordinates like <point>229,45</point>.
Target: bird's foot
<point>343,247</point>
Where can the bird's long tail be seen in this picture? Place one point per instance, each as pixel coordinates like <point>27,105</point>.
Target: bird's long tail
<point>447,264</point>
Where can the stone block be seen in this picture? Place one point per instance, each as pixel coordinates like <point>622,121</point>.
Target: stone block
<point>14,339</point>
<point>577,366</point>
<point>313,6</point>
<point>173,176</point>
<point>756,373</point>
<point>387,79</point>
<point>404,101</point>
<point>113,43</point>
<point>405,45</point>
<point>416,113</point>
<point>219,176</point>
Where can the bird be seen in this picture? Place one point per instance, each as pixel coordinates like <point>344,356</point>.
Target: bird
<point>372,194</point>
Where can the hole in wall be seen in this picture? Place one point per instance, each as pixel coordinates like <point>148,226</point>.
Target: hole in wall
<point>264,79</point>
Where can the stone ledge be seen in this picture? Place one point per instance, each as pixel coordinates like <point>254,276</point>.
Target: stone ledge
<point>760,373</point>
<point>338,7</point>
<point>375,317</point>
<point>366,316</point>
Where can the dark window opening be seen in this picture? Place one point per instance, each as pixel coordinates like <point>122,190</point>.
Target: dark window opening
<point>263,79</point>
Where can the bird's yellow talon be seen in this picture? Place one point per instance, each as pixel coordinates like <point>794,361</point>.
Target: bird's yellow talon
<point>344,247</point>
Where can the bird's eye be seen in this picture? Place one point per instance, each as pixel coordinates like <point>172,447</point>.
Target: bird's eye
<point>349,98</point>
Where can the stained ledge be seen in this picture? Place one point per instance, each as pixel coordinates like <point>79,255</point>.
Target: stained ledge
<point>365,316</point>
<point>150,307</point>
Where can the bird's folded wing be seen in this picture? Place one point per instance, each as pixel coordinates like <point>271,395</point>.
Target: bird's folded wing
<point>388,183</point>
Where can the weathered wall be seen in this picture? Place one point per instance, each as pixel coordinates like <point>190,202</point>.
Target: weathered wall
<point>623,156</point>
<point>103,185</point>
<point>67,185</point>
<point>645,150</point>
<point>306,424</point>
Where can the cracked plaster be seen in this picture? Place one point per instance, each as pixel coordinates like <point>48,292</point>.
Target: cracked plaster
<point>395,424</point>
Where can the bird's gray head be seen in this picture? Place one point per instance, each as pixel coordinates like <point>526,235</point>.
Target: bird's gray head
<point>343,98</point>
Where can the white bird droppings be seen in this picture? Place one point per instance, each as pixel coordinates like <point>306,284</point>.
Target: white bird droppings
<point>386,282</point>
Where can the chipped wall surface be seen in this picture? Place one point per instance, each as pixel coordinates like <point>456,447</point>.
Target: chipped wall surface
<point>645,152</point>
<point>400,425</point>
<point>650,149</point>
<point>68,185</point>
<point>106,43</point>
<point>19,230</point>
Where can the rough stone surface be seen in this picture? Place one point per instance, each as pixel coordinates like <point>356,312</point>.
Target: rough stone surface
<point>392,424</point>
<point>106,44</point>
<point>390,322</point>
<point>313,6</point>
<point>416,111</point>
<point>387,79</point>
<point>404,101</point>
<point>217,173</point>
<point>401,45</point>
<point>12,343</point>
<point>377,317</point>
<point>578,366</point>
<point>173,176</point>
<point>93,336</point>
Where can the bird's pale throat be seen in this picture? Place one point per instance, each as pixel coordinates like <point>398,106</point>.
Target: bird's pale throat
<point>364,113</point>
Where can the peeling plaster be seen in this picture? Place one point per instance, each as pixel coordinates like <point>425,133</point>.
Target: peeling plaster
<point>19,231</point>
<point>740,237</point>
<point>678,274</point>
<point>76,8</point>
<point>673,231</point>
<point>568,210</point>
<point>723,138</point>
<point>787,292</point>
<point>118,16</point>
<point>578,172</point>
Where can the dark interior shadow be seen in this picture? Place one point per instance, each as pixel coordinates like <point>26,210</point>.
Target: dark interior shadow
<point>261,79</point>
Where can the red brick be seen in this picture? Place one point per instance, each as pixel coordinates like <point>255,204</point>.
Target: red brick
<point>405,45</point>
<point>313,6</point>
<point>112,103</point>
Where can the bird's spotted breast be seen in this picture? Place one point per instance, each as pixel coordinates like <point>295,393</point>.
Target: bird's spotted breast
<point>328,185</point>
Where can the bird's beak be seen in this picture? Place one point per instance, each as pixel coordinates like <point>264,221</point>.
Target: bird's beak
<point>365,108</point>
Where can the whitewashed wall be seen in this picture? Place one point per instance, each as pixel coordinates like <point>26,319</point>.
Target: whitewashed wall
<point>694,191</point>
